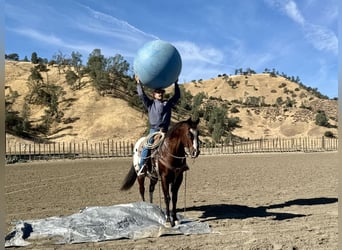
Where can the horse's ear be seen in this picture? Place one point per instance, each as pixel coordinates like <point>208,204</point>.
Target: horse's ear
<point>195,122</point>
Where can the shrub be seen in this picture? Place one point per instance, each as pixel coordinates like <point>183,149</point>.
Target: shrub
<point>282,85</point>
<point>322,119</point>
<point>329,134</point>
<point>234,110</point>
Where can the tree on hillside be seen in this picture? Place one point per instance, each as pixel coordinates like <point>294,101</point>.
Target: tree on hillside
<point>41,67</point>
<point>185,100</point>
<point>77,74</point>
<point>13,57</point>
<point>34,58</point>
<point>197,100</point>
<point>35,76</point>
<point>71,79</point>
<point>76,61</point>
<point>96,67</point>
<point>117,68</point>
<point>46,94</point>
<point>14,123</point>
<point>59,58</point>
<point>117,65</point>
<point>217,123</point>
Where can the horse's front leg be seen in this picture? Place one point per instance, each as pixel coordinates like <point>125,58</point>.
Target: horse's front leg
<point>165,187</point>
<point>174,190</point>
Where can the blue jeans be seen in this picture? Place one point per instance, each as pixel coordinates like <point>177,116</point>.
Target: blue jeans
<point>145,151</point>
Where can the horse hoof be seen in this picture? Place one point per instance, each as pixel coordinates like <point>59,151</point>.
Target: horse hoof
<point>177,223</point>
<point>168,224</point>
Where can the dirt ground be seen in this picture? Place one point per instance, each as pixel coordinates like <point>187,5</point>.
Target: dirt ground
<point>254,201</point>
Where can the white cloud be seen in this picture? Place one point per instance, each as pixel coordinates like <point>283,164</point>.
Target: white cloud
<point>108,25</point>
<point>289,7</point>
<point>199,62</point>
<point>321,38</point>
<point>292,11</point>
<point>36,35</point>
<point>192,52</point>
<point>50,39</point>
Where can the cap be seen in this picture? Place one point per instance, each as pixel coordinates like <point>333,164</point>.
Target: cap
<point>162,91</point>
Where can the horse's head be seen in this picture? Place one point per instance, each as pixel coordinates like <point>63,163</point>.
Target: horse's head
<point>190,138</point>
<point>182,139</point>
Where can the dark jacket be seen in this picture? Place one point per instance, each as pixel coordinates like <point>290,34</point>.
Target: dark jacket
<point>159,112</point>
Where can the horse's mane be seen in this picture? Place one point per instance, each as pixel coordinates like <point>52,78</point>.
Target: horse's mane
<point>174,128</point>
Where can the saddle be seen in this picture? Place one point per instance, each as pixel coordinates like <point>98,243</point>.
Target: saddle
<point>151,163</point>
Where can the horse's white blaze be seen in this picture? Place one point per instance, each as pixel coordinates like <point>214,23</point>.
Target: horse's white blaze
<point>195,141</point>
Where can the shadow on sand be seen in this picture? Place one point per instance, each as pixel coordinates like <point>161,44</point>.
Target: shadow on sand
<point>226,211</point>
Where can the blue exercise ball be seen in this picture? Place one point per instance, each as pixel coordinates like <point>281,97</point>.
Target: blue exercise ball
<point>157,64</point>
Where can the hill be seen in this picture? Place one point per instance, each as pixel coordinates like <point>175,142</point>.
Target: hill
<point>270,106</point>
<point>267,106</point>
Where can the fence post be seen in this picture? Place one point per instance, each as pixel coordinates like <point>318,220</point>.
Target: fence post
<point>112,148</point>
<point>87,149</point>
<point>29,151</point>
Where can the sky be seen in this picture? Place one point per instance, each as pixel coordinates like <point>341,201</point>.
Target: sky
<point>294,37</point>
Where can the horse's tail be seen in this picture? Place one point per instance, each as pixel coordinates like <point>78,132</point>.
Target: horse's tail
<point>130,179</point>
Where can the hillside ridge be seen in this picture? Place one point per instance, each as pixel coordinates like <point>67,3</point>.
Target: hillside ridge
<point>261,101</point>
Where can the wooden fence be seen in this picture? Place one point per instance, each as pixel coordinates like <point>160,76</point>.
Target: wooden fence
<point>64,150</point>
<point>109,148</point>
<point>303,144</point>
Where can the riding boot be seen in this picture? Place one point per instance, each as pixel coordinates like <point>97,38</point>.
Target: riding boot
<point>143,161</point>
<point>152,172</point>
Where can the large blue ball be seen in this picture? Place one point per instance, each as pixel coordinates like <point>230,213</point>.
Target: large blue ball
<point>157,64</point>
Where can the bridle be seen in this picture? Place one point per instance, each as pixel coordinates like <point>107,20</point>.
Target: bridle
<point>164,146</point>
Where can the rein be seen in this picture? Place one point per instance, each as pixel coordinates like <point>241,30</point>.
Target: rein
<point>172,155</point>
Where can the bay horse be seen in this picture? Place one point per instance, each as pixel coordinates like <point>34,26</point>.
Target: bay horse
<point>168,160</point>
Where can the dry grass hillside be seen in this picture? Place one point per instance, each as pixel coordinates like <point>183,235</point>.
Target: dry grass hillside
<point>90,116</point>
<point>269,120</point>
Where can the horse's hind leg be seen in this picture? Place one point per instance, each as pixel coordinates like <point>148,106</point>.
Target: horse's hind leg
<point>153,183</point>
<point>141,181</point>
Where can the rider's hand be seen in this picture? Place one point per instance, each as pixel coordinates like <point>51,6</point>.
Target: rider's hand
<point>136,77</point>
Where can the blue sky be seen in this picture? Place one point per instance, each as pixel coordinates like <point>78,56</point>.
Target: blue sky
<point>297,37</point>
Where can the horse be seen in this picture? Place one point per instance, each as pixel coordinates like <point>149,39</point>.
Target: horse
<point>168,160</point>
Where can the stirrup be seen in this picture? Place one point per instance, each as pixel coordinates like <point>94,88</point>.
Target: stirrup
<point>140,170</point>
<point>152,175</point>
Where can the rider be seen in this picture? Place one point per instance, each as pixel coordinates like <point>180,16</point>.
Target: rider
<point>159,112</point>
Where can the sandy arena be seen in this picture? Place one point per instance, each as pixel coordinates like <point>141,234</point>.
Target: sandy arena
<point>251,201</point>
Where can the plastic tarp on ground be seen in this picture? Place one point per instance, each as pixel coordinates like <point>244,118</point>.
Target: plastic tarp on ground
<point>94,224</point>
